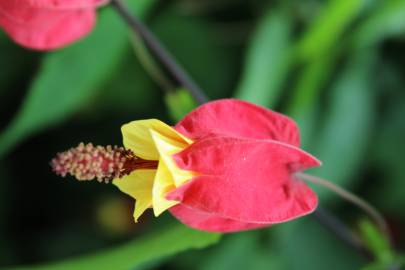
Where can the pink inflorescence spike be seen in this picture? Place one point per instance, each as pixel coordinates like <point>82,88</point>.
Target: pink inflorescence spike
<point>88,162</point>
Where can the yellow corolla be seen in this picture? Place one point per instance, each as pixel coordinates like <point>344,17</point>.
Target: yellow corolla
<point>153,140</point>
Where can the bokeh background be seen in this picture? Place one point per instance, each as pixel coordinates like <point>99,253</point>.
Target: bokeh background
<point>337,67</point>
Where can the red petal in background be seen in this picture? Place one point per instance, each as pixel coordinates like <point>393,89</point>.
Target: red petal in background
<point>246,180</point>
<point>236,118</point>
<point>51,4</point>
<point>46,29</point>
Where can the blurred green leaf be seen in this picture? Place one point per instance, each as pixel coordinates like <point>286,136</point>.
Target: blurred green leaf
<point>389,159</point>
<point>306,245</point>
<point>194,43</point>
<point>385,266</point>
<point>386,20</point>
<point>326,29</point>
<point>6,255</point>
<point>15,62</point>
<point>238,251</point>
<point>179,102</point>
<point>303,106</point>
<point>242,251</point>
<point>342,141</point>
<point>130,92</point>
<point>376,242</point>
<point>138,252</point>
<point>69,77</point>
<point>149,63</point>
<point>318,47</point>
<point>267,61</point>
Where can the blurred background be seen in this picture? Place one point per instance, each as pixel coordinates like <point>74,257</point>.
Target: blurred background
<point>337,67</point>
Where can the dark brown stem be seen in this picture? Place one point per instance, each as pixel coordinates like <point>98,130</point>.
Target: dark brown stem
<point>340,230</point>
<point>373,213</point>
<point>160,52</point>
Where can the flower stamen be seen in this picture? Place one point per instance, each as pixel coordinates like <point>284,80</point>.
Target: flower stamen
<point>88,162</point>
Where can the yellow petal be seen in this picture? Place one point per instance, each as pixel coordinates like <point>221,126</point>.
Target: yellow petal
<point>167,147</point>
<point>138,138</point>
<point>141,205</point>
<point>163,183</point>
<point>138,185</point>
<point>153,140</point>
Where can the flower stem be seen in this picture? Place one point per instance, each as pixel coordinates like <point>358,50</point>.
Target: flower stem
<point>160,52</point>
<point>149,64</point>
<point>340,230</point>
<point>352,198</point>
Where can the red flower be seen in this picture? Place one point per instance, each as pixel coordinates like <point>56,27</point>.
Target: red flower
<point>245,157</point>
<point>227,166</point>
<point>47,24</point>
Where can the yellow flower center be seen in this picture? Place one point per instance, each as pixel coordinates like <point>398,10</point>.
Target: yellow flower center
<point>153,140</point>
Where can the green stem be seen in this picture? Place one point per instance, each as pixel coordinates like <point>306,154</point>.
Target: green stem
<point>149,64</point>
<point>352,198</point>
<point>160,52</point>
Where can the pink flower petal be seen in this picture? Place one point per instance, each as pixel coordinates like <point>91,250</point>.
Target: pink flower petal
<point>208,222</point>
<point>45,29</point>
<point>52,4</point>
<point>246,180</point>
<point>236,118</point>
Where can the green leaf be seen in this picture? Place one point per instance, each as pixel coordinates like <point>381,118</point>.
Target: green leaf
<point>342,141</point>
<point>18,62</point>
<point>388,157</point>
<point>325,32</point>
<point>6,254</point>
<point>383,266</point>
<point>303,105</point>
<point>149,63</point>
<point>129,94</point>
<point>376,242</point>
<point>70,77</point>
<point>179,102</point>
<point>194,43</point>
<point>306,245</point>
<point>138,252</point>
<point>267,61</point>
<point>397,265</point>
<point>238,251</point>
<point>386,20</point>
<point>242,251</point>
<point>318,47</point>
